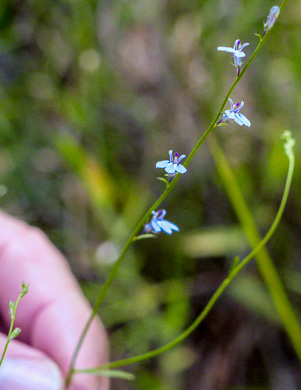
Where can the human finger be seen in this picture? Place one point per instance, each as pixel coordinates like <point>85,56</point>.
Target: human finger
<point>54,312</point>
<point>26,368</point>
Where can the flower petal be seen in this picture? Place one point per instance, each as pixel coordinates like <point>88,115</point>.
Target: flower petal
<point>155,226</point>
<point>161,214</point>
<point>162,164</point>
<point>229,114</point>
<point>239,54</point>
<point>244,120</point>
<point>237,44</point>
<point>238,120</point>
<point>170,156</point>
<point>244,45</point>
<point>181,158</point>
<point>170,168</point>
<point>165,227</point>
<point>173,226</point>
<point>227,49</point>
<point>180,168</point>
<point>168,227</point>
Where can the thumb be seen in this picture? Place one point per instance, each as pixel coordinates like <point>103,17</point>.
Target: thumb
<point>26,368</point>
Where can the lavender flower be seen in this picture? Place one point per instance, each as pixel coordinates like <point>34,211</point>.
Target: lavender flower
<point>234,115</point>
<point>172,166</point>
<point>271,19</point>
<point>158,224</point>
<point>237,52</point>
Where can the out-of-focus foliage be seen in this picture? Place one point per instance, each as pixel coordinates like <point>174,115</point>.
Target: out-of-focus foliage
<point>92,95</point>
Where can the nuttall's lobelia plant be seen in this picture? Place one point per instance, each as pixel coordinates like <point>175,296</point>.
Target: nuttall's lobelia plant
<point>237,266</point>
<point>157,223</point>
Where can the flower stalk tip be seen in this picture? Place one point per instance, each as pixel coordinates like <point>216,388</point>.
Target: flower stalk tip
<point>289,143</point>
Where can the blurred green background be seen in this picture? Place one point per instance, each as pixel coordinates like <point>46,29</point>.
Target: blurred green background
<point>92,95</point>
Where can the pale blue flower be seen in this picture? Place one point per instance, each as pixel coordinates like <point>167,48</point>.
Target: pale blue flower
<point>234,115</point>
<point>172,166</point>
<point>237,52</point>
<point>271,19</point>
<point>158,224</point>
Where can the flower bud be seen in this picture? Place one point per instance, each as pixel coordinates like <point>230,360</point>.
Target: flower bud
<point>15,333</point>
<point>272,17</point>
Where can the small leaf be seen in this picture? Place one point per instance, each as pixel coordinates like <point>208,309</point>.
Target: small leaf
<point>162,179</point>
<point>142,236</point>
<point>258,35</point>
<point>109,373</point>
<point>15,333</point>
<point>234,264</point>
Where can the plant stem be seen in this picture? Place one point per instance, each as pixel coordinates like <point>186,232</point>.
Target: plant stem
<point>264,261</point>
<point>112,275</point>
<point>216,295</point>
<point>11,328</point>
<point>168,189</point>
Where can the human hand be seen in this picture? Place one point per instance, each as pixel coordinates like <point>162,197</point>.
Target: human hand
<point>52,315</point>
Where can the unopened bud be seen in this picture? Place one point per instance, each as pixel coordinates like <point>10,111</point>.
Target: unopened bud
<point>24,289</point>
<point>272,17</point>
<point>15,333</point>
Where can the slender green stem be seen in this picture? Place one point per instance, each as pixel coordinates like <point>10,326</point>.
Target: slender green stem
<point>243,71</point>
<point>264,261</point>
<point>216,118</point>
<point>112,275</point>
<point>168,189</point>
<point>216,295</point>
<point>9,333</point>
<point>13,310</point>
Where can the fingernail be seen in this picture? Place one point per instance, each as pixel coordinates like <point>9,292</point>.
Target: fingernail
<point>30,374</point>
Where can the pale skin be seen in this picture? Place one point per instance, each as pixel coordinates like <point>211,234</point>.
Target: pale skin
<point>52,315</point>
